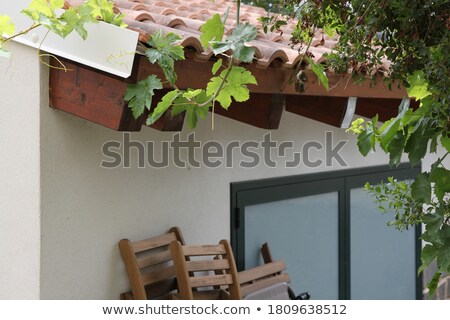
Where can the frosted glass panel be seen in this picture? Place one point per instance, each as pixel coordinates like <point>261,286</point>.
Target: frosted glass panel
<point>304,233</point>
<point>382,258</point>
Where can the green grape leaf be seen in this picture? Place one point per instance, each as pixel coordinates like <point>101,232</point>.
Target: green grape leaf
<point>213,29</point>
<point>235,86</point>
<point>217,66</point>
<point>421,188</point>
<point>416,146</point>
<point>445,141</point>
<point>319,71</point>
<point>165,52</point>
<point>72,21</point>
<point>162,106</point>
<point>139,96</point>
<point>366,139</point>
<point>6,26</point>
<point>389,129</point>
<point>418,85</point>
<point>441,179</point>
<point>395,148</point>
<point>428,255</point>
<point>235,42</point>
<point>104,10</point>
<point>191,94</point>
<point>100,7</point>
<point>190,102</point>
<point>36,8</point>
<point>433,284</point>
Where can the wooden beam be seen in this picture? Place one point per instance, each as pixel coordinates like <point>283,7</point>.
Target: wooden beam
<point>385,108</point>
<point>98,97</point>
<point>91,95</point>
<point>261,110</point>
<point>273,80</point>
<point>324,109</point>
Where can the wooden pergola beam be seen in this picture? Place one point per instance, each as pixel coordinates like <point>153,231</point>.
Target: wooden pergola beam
<point>274,80</point>
<point>98,97</point>
<point>261,110</point>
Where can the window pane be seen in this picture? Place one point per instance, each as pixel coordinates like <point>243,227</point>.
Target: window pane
<point>304,233</point>
<point>382,258</point>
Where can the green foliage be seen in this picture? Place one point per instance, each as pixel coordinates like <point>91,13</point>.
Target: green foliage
<point>319,71</point>
<point>164,51</point>
<point>212,30</point>
<point>421,188</point>
<point>414,35</point>
<point>236,43</point>
<point>367,137</point>
<point>163,106</point>
<point>47,13</point>
<point>38,9</point>
<point>6,26</point>
<point>418,85</point>
<point>195,103</point>
<point>231,83</point>
<point>140,95</point>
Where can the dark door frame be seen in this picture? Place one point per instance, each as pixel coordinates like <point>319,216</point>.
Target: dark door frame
<point>274,189</point>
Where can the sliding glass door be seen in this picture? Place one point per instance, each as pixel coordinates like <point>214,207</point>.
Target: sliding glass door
<point>328,230</point>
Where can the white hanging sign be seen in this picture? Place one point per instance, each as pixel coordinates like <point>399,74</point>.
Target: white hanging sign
<point>108,48</point>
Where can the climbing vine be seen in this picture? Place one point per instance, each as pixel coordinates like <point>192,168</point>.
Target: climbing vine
<point>48,14</point>
<point>228,82</point>
<point>414,35</point>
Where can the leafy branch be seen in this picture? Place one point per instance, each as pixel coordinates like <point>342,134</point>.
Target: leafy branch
<point>44,13</point>
<point>230,84</point>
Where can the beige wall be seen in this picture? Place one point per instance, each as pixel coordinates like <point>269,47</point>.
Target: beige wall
<point>58,202</point>
<point>87,209</point>
<point>19,175</point>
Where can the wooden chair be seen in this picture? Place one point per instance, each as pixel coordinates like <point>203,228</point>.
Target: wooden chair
<point>261,277</point>
<point>268,259</point>
<point>205,268</point>
<point>149,266</point>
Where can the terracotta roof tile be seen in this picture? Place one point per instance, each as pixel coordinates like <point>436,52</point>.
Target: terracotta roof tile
<point>186,17</point>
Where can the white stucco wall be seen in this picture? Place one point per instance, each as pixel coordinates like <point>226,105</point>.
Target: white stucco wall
<point>86,209</point>
<point>19,175</point>
<point>62,215</point>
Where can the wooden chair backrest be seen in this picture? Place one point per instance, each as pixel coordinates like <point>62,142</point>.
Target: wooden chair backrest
<point>149,265</point>
<point>206,266</point>
<point>263,276</point>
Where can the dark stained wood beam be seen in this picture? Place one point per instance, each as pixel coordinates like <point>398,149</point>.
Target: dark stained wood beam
<point>385,108</point>
<point>324,109</point>
<point>261,110</point>
<point>273,80</point>
<point>98,97</point>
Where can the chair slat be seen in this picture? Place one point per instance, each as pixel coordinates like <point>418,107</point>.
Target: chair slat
<point>207,265</point>
<point>205,250</point>
<point>155,242</point>
<point>264,283</point>
<point>214,280</point>
<point>159,275</point>
<point>154,259</point>
<point>268,269</point>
